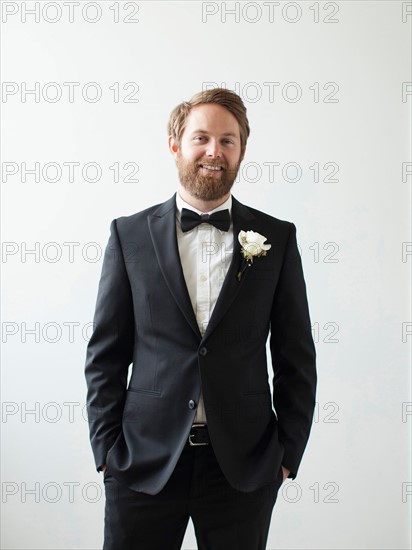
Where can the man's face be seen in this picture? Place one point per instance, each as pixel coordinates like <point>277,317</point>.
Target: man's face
<point>210,153</point>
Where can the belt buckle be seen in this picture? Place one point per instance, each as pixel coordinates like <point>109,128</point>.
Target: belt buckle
<point>192,435</point>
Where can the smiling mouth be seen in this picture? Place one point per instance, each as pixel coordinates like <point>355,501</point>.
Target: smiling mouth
<point>211,167</point>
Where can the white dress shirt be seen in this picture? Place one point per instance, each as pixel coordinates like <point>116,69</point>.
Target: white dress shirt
<point>205,255</point>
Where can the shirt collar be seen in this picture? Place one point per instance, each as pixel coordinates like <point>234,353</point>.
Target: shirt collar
<point>180,203</point>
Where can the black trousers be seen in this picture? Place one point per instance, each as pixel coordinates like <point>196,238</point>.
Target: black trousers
<point>223,517</point>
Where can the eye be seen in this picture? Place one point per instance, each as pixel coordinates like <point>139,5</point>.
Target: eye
<point>198,137</point>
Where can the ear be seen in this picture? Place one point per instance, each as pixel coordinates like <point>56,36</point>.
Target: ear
<point>173,146</point>
<point>242,153</point>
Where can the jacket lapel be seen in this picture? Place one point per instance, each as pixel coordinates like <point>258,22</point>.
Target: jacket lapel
<point>162,227</point>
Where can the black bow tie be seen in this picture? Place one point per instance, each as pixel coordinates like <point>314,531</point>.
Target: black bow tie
<point>189,219</point>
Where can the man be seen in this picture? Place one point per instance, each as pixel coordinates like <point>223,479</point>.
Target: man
<point>189,291</point>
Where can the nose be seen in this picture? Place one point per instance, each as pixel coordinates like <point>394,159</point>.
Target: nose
<point>213,149</point>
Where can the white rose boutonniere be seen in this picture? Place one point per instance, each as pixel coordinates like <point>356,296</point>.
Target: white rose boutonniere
<point>253,246</point>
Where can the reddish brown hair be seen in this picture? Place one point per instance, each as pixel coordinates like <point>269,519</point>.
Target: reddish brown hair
<point>226,98</point>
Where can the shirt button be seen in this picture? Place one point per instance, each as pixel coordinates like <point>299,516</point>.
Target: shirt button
<point>203,352</point>
<point>192,404</point>
<point>203,278</point>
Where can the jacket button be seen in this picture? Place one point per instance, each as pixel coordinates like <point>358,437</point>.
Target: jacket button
<point>192,404</point>
<point>203,351</point>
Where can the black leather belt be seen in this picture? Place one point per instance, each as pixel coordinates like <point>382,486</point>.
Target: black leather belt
<point>199,435</point>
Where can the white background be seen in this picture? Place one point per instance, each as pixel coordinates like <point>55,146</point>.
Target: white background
<point>353,490</point>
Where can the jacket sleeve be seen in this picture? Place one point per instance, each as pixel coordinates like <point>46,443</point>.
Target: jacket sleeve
<point>109,351</point>
<point>293,358</point>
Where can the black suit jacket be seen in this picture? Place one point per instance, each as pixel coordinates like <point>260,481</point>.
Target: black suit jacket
<point>144,318</point>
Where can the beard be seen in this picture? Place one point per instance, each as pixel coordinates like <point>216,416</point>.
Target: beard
<point>207,187</point>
